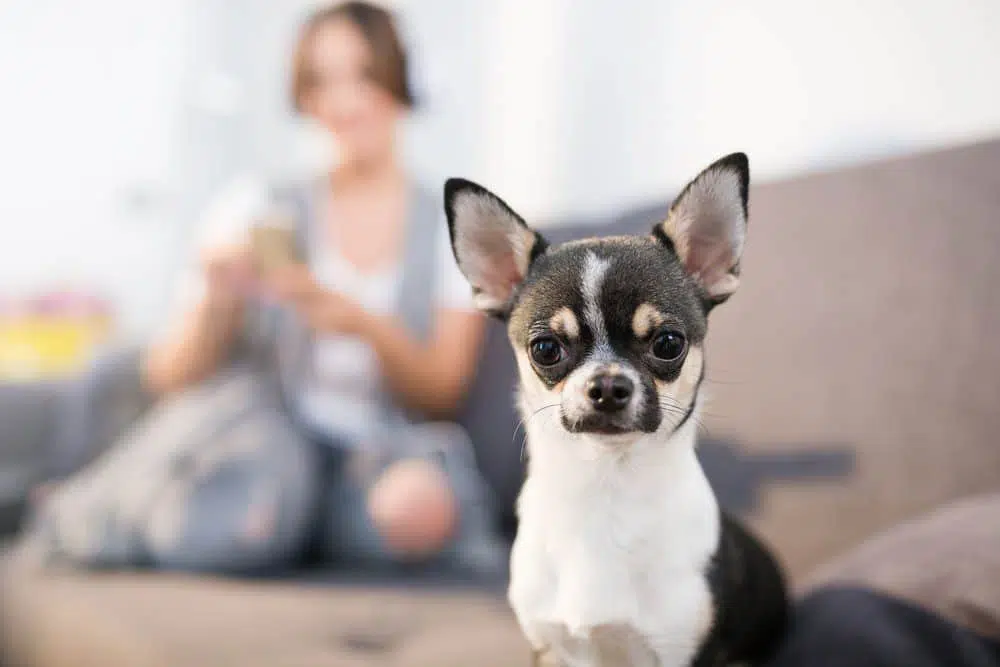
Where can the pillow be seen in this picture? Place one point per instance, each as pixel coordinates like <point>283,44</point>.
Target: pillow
<point>947,562</point>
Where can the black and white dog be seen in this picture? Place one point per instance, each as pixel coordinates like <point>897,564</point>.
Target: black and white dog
<point>622,555</point>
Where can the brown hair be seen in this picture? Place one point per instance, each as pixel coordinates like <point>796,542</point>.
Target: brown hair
<point>389,68</point>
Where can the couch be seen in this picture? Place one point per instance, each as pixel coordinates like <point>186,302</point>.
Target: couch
<point>852,386</point>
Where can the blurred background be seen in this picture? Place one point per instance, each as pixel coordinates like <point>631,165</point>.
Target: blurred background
<point>855,382</point>
<point>120,118</point>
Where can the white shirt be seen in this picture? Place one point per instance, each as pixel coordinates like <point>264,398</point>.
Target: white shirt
<point>341,391</point>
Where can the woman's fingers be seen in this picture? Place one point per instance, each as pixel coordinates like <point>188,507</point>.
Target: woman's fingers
<point>292,283</point>
<point>227,268</point>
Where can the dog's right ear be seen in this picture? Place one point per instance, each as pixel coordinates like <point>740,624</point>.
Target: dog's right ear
<point>493,246</point>
<point>707,226</point>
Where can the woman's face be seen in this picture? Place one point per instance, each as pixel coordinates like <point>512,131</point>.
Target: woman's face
<point>344,98</point>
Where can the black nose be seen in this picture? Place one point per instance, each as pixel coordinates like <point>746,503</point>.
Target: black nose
<point>609,393</point>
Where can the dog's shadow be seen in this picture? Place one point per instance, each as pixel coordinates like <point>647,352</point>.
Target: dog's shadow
<point>737,476</point>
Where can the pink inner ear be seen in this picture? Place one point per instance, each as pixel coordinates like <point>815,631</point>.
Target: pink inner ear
<point>710,254</point>
<point>495,262</point>
<point>502,276</point>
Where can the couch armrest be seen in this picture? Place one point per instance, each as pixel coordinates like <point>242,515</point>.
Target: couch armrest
<point>26,427</point>
<point>93,409</point>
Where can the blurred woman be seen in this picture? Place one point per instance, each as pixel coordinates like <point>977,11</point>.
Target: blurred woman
<point>392,337</point>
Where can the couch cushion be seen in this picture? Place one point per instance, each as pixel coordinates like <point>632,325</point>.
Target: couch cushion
<point>947,562</point>
<point>26,428</point>
<point>163,621</point>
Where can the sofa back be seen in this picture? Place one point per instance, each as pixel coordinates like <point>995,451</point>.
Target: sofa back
<point>852,380</point>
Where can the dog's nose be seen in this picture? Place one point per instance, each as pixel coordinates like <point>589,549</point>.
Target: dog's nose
<point>609,392</point>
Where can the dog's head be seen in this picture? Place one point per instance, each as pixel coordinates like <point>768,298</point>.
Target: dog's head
<point>608,330</point>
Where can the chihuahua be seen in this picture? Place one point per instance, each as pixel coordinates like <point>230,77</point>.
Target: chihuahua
<point>622,555</point>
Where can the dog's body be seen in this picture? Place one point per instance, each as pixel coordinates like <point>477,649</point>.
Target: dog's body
<point>622,556</point>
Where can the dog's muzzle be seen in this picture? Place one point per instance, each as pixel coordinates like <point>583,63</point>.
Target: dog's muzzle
<point>605,406</point>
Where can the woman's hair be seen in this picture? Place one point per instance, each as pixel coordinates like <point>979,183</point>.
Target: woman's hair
<point>388,67</point>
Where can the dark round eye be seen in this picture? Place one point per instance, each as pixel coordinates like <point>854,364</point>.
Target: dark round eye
<point>546,351</point>
<point>669,345</point>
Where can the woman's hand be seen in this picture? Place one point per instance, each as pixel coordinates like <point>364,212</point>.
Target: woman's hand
<point>228,271</point>
<point>323,310</point>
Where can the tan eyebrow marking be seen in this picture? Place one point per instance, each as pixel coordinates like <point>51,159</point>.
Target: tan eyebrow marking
<point>564,322</point>
<point>645,319</point>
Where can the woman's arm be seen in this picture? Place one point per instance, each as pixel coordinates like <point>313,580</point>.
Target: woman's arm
<point>431,377</point>
<point>198,343</point>
<point>427,376</point>
<point>194,349</point>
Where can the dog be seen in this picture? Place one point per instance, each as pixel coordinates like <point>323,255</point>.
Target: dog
<point>622,555</point>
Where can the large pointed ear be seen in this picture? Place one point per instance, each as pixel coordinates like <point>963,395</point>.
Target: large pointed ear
<point>707,225</point>
<point>492,244</point>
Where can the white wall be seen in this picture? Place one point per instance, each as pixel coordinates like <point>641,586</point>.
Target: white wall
<point>120,117</point>
<point>599,104</point>
<point>88,151</point>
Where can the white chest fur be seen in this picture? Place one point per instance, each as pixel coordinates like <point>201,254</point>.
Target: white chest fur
<point>612,546</point>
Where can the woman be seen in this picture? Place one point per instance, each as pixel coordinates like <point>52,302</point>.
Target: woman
<point>399,503</point>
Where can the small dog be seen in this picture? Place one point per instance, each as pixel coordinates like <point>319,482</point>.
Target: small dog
<point>622,555</point>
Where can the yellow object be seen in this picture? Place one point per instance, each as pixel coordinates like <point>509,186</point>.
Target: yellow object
<point>34,347</point>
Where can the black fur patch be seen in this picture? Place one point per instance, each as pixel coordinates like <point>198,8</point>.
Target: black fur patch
<point>750,599</point>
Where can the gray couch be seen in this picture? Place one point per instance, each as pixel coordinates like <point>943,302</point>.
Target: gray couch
<point>852,384</point>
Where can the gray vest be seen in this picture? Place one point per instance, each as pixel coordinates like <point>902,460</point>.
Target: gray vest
<point>286,343</point>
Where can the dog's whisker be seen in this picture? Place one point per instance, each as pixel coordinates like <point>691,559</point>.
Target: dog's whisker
<point>673,407</point>
<point>523,425</point>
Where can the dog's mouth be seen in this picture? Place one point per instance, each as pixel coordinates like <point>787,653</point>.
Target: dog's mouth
<point>598,424</point>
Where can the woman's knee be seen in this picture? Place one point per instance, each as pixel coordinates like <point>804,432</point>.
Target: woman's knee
<point>413,508</point>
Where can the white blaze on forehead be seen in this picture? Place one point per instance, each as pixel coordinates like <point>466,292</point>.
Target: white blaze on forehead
<point>594,271</point>
<point>645,319</point>
<point>565,322</point>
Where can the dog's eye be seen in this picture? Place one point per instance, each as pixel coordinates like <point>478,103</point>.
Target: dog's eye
<point>546,351</point>
<point>669,345</point>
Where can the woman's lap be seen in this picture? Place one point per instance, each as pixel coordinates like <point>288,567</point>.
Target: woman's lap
<point>257,511</point>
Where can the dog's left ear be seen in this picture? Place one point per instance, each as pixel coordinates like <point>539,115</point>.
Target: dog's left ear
<point>707,224</point>
<point>493,246</point>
